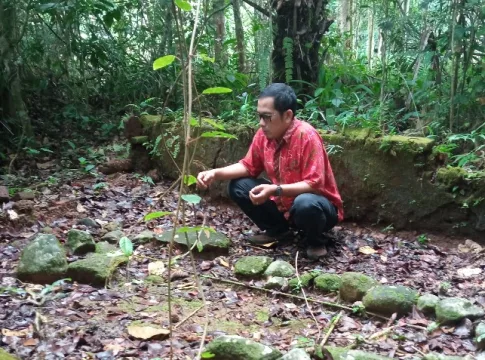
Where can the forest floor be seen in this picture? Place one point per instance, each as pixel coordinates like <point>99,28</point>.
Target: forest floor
<point>77,321</point>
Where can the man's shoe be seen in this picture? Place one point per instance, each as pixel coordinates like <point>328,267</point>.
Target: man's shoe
<point>262,239</point>
<point>314,252</point>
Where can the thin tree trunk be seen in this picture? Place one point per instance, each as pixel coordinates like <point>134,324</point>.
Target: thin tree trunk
<point>454,75</point>
<point>345,21</point>
<point>219,24</point>
<point>370,30</point>
<point>239,36</point>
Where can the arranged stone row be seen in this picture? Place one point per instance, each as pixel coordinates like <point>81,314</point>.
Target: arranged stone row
<point>356,287</point>
<point>239,348</point>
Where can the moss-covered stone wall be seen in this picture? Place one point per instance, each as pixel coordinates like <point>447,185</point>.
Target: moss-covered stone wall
<point>393,180</point>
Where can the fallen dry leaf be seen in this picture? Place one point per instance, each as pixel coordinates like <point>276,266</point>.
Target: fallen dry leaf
<point>469,246</point>
<point>156,268</point>
<point>12,215</point>
<point>19,333</point>
<point>468,272</point>
<point>147,332</point>
<point>31,342</point>
<point>367,250</point>
<point>224,263</point>
<point>80,208</point>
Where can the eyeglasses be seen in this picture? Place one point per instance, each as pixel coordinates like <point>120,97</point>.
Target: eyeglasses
<point>265,117</point>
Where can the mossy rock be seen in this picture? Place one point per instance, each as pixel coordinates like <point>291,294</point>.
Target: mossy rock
<point>388,300</point>
<point>80,242</point>
<point>355,285</point>
<point>339,353</point>
<point>451,176</point>
<point>276,283</point>
<point>452,310</point>
<point>480,335</point>
<point>296,354</point>
<point>113,236</point>
<point>436,356</point>
<point>104,247</point>
<point>327,283</point>
<point>139,139</point>
<point>95,269</point>
<point>233,347</point>
<point>4,355</point>
<point>144,237</point>
<point>427,303</point>
<point>306,280</point>
<point>154,279</point>
<point>43,260</point>
<point>214,245</point>
<point>252,266</point>
<point>280,268</point>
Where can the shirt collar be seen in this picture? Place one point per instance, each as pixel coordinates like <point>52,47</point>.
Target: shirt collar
<point>291,130</point>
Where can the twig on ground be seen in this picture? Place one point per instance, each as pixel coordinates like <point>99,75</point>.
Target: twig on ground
<point>334,322</point>
<point>188,317</point>
<point>306,300</point>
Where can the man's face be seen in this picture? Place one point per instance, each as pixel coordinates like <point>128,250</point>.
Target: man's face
<point>273,124</point>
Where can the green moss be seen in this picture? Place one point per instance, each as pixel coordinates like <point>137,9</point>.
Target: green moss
<point>262,315</point>
<point>306,280</point>
<point>339,353</point>
<point>80,242</point>
<point>154,279</point>
<point>139,139</point>
<point>252,266</point>
<point>327,283</point>
<point>357,133</point>
<point>355,286</point>
<point>388,300</point>
<point>451,176</point>
<point>6,356</point>
<point>216,243</point>
<point>95,269</point>
<point>104,247</point>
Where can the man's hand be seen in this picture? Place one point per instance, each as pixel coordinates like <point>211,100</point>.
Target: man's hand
<point>261,193</point>
<point>206,178</point>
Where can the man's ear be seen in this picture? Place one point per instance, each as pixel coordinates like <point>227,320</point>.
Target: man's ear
<point>288,115</point>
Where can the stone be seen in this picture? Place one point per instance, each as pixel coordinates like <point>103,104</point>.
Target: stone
<point>305,281</point>
<point>24,206</point>
<point>276,283</point>
<point>88,222</point>
<point>4,355</point>
<point>233,347</point>
<point>252,266</point>
<point>104,247</point>
<point>43,260</point>
<point>113,236</point>
<point>327,283</point>
<point>95,269</point>
<point>452,310</point>
<point>339,353</point>
<point>144,237</point>
<point>80,242</point>
<point>296,354</point>
<point>480,335</point>
<point>387,300</point>
<point>113,225</point>
<point>280,268</point>
<point>355,286</point>
<point>24,195</point>
<point>4,194</point>
<point>427,303</point>
<point>216,244</point>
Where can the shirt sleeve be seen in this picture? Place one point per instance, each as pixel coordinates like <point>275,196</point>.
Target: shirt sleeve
<point>253,161</point>
<point>314,160</point>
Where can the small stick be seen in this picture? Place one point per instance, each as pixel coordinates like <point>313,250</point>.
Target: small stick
<point>335,320</point>
<point>188,317</point>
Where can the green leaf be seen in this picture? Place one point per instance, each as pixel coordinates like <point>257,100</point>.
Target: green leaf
<point>194,122</point>
<point>207,58</point>
<point>183,5</point>
<point>191,198</point>
<point>218,134</point>
<point>126,246</point>
<point>156,215</point>
<point>216,90</point>
<point>163,61</point>
<point>189,180</point>
<point>200,246</point>
<point>90,167</point>
<point>213,123</point>
<point>191,229</point>
<point>207,355</point>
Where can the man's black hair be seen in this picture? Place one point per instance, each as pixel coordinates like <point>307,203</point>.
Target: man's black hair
<point>284,97</point>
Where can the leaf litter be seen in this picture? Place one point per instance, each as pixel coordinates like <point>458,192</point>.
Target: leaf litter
<point>130,317</point>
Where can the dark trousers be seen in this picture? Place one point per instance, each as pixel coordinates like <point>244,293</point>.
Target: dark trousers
<point>311,213</point>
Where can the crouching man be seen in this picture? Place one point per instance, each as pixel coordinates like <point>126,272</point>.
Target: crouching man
<point>302,192</point>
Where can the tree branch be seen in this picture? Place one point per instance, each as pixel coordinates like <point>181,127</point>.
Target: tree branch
<point>257,7</point>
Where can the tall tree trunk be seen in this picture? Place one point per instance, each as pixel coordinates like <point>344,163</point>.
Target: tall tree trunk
<point>13,106</point>
<point>219,24</point>
<point>241,66</point>
<point>370,31</point>
<point>304,23</point>
<point>345,20</point>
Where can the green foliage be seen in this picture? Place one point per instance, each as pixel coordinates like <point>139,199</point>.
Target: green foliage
<point>126,246</point>
<point>191,198</point>
<point>288,50</point>
<point>156,215</point>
